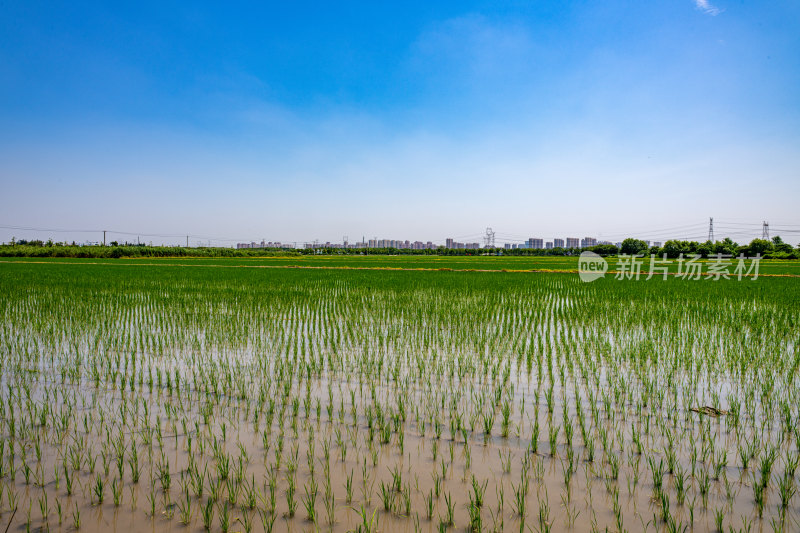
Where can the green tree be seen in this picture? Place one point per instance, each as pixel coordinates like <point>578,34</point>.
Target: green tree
<point>781,247</point>
<point>633,246</point>
<point>705,249</point>
<point>604,249</point>
<point>726,246</point>
<point>759,246</point>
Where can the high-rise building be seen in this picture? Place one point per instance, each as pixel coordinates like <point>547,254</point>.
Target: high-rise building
<point>588,241</point>
<point>558,243</point>
<point>548,245</point>
<point>535,243</point>
<point>573,242</point>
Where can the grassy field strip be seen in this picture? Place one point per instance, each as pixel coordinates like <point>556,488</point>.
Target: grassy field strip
<point>609,273</point>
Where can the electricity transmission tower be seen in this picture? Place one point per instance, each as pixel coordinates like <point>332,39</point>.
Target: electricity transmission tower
<point>765,230</point>
<point>488,239</point>
<point>711,229</point>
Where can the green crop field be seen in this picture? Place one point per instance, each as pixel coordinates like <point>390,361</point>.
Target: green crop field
<point>404,393</point>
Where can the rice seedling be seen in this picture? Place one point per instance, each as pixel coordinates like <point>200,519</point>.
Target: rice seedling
<point>309,501</point>
<point>207,513</point>
<point>224,517</point>
<point>76,517</point>
<point>98,490</point>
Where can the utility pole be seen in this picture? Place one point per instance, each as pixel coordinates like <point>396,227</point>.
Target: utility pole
<point>711,229</point>
<point>104,237</point>
<point>187,241</point>
<point>765,230</point>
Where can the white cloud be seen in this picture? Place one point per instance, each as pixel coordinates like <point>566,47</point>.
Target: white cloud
<point>706,7</point>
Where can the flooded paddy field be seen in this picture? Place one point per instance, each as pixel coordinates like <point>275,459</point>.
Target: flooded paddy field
<point>138,398</point>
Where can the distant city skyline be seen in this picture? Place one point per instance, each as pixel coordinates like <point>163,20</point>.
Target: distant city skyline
<point>742,233</point>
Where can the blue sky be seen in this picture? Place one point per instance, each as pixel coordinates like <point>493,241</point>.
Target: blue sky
<point>301,121</point>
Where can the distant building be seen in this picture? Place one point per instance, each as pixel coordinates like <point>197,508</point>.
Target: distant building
<point>535,243</point>
<point>588,241</point>
<point>558,243</point>
<point>548,245</point>
<point>657,244</point>
<point>573,242</point>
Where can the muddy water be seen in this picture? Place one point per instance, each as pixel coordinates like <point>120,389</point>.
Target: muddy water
<point>501,465</point>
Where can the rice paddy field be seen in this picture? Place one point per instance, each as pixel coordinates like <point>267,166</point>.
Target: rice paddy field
<point>395,394</point>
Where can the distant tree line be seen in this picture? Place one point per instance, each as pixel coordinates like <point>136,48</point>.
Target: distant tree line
<point>769,249</point>
<point>24,248</point>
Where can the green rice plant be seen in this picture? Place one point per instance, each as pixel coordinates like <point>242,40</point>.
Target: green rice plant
<point>247,521</point>
<point>505,412</point>
<point>520,497</point>
<point>224,517</point>
<point>116,492</point>
<point>657,473</point>
<point>450,516</point>
<point>291,503</point>
<point>613,465</point>
<point>719,516</point>
<point>758,495</point>
<point>348,485</point>
<point>488,424</point>
<point>387,496</point>
<point>68,480</point>
<point>207,514</point>
<point>533,447</point>
<point>185,509</point>
<point>680,484</point>
<point>76,517</point>
<point>704,483</point>
<point>44,507</point>
<point>267,520</point>
<point>553,439</point>
<point>309,501</point>
<point>786,489</point>
<point>151,499</point>
<point>369,523</point>
<point>164,475</point>
<point>505,461</point>
<point>544,515</point>
<point>397,478</point>
<point>98,489</point>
